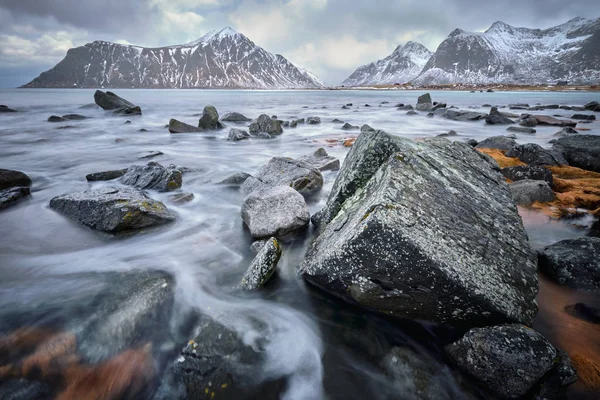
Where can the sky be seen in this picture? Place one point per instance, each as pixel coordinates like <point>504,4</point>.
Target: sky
<point>330,38</point>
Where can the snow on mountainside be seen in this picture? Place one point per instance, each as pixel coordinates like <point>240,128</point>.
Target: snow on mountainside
<point>219,59</point>
<point>403,65</point>
<point>506,54</point>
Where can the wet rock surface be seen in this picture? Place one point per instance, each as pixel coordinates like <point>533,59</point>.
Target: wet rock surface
<point>6,109</point>
<point>498,142</point>
<point>321,160</point>
<point>235,117</point>
<point>12,195</point>
<point>385,236</point>
<point>521,129</point>
<point>210,119</point>
<point>533,172</point>
<point>573,262</point>
<point>297,174</point>
<point>263,266</point>
<point>112,209</point>
<point>10,178</point>
<point>106,175</point>
<point>526,192</point>
<point>582,151</point>
<point>237,135</point>
<point>153,176</point>
<point>534,154</point>
<point>265,127</point>
<point>236,179</point>
<point>176,126</point>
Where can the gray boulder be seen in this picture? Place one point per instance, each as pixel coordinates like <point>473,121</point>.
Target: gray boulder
<point>235,117</point>
<point>533,172</point>
<point>105,175</point>
<point>297,174</point>
<point>181,198</point>
<point>424,99</point>
<point>110,101</point>
<point>238,134</point>
<point>348,127</point>
<point>210,119</point>
<point>566,131</point>
<point>23,389</point>
<point>498,120</point>
<point>12,195</point>
<point>153,176</point>
<point>527,192</point>
<point>128,111</point>
<point>263,266</point>
<point>556,381</point>
<point>534,154</point>
<point>497,142</point>
<point>412,113</point>
<point>550,121</point>
<point>5,109</point>
<point>460,115</point>
<point>274,211</point>
<point>585,117</point>
<point>521,129</point>
<point>391,238</point>
<point>75,117</point>
<point>176,126</point>
<point>265,125</point>
<point>573,262</point>
<point>508,359</point>
<point>313,120</point>
<point>56,118</point>
<point>581,151</point>
<point>236,179</point>
<point>366,128</point>
<point>528,122</point>
<point>592,106</point>
<point>321,160</point>
<point>112,209</point>
<point>10,178</point>
<point>448,134</point>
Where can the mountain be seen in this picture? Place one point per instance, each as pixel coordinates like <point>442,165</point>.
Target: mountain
<point>506,54</point>
<point>403,65</point>
<point>219,59</point>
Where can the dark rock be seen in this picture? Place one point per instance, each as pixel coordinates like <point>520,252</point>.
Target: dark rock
<point>273,116</point>
<point>89,106</point>
<point>566,132</point>
<point>534,154</point>
<point>150,154</point>
<point>554,384</point>
<point>585,312</point>
<point>274,211</point>
<point>142,130</point>
<point>472,142</point>
<point>23,389</point>
<point>238,134</point>
<point>592,106</point>
<point>75,117</point>
<point>176,126</point>
<point>430,115</point>
<point>573,262</point>
<point>565,107</point>
<point>509,359</point>
<point>182,198</point>
<point>385,244</point>
<point>313,120</point>
<point>345,107</point>
<point>235,117</point>
<point>112,209</point>
<point>519,106</point>
<point>110,101</point>
<point>521,129</point>
<point>448,134</point>
<point>10,178</point>
<point>532,172</point>
<point>263,266</point>
<point>586,117</point>
<point>56,118</point>
<point>527,192</point>
<point>462,115</point>
<point>129,122</point>
<point>293,124</point>
<point>529,122</point>
<point>236,179</point>
<point>490,91</point>
<point>498,120</point>
<point>337,121</point>
<point>498,142</point>
<point>5,109</point>
<point>128,111</point>
<point>424,99</point>
<point>286,124</point>
<point>366,128</point>
<point>349,105</point>
<point>301,121</point>
<point>321,160</point>
<point>105,175</point>
<point>551,107</point>
<point>12,195</point>
<point>297,174</point>
<point>210,119</point>
<point>412,113</point>
<point>581,151</point>
<point>264,124</point>
<point>487,105</point>
<point>348,127</point>
<point>66,127</point>
<point>153,176</point>
<point>551,121</point>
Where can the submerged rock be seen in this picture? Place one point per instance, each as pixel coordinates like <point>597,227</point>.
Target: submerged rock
<point>236,179</point>
<point>448,134</point>
<point>112,209</point>
<point>509,359</point>
<point>110,101</point>
<point>297,174</point>
<point>497,119</point>
<point>313,120</point>
<point>527,192</point>
<point>274,211</point>
<point>12,195</point>
<point>128,111</point>
<point>263,266</point>
<point>581,151</point>
<point>528,122</point>
<point>210,119</point>
<point>105,175</point>
<point>176,126</point>
<point>521,129</point>
<point>584,312</point>
<point>10,178</point>
<point>534,154</point>
<point>532,172</point>
<point>153,176</point>
<point>551,121</point>
<point>592,106</point>
<point>403,230</point>
<point>348,127</point>
<point>6,109</point>
<point>585,117</point>
<point>56,118</point>
<point>237,134</point>
<point>235,117</point>
<point>321,160</point>
<point>182,198</point>
<point>265,125</point>
<point>566,132</point>
<point>459,115</point>
<point>424,102</point>
<point>573,262</point>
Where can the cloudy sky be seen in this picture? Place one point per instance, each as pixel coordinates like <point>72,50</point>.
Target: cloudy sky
<point>328,37</point>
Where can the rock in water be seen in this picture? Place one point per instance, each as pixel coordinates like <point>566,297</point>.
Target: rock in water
<point>581,151</point>
<point>566,132</point>
<point>296,174</point>
<point>534,154</point>
<point>56,118</point>
<point>153,176</point>
<point>176,126</point>
<point>112,209</point>
<point>313,120</point>
<point>210,119</point>
<point>521,129</point>
<point>265,125</point>
<point>274,211</point>
<point>498,119</point>
<point>237,134</point>
<point>573,262</point>
<point>235,117</point>
<point>128,111</point>
<point>321,160</point>
<point>348,127</point>
<point>110,101</point>
<point>236,179</point>
<point>527,192</point>
<point>22,389</point>
<point>547,120</point>
<point>5,109</point>
<point>105,175</point>
<point>532,172</point>
<point>425,231</point>
<point>12,195</point>
<point>509,359</point>
<point>424,102</point>
<point>10,178</point>
<point>263,266</point>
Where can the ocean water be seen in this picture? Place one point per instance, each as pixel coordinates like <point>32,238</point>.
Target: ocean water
<point>325,349</point>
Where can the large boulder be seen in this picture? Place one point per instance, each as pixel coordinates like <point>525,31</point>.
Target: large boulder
<point>592,106</point>
<point>551,121</point>
<point>585,117</point>
<point>265,125</point>
<point>12,195</point>
<point>532,172</point>
<point>503,143</point>
<point>528,122</point>
<point>210,119</point>
<point>110,101</point>
<point>299,175</point>
<point>425,231</point>
<point>153,176</point>
<point>460,115</point>
<point>527,192</point>
<point>10,178</point>
<point>321,160</point>
<point>581,151</point>
<point>235,117</point>
<point>263,266</point>
<point>112,209</point>
<point>424,102</point>
<point>508,359</point>
<point>274,211</point>
<point>573,262</point>
<point>534,154</point>
<point>498,119</point>
<point>176,126</point>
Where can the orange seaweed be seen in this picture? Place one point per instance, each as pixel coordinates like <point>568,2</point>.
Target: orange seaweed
<point>501,159</point>
<point>588,372</point>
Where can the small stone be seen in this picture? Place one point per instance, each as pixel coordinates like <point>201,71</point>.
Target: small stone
<point>527,192</point>
<point>263,266</point>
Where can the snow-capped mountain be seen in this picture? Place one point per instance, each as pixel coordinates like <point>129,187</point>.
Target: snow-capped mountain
<point>506,54</point>
<point>403,65</point>
<point>219,59</point>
